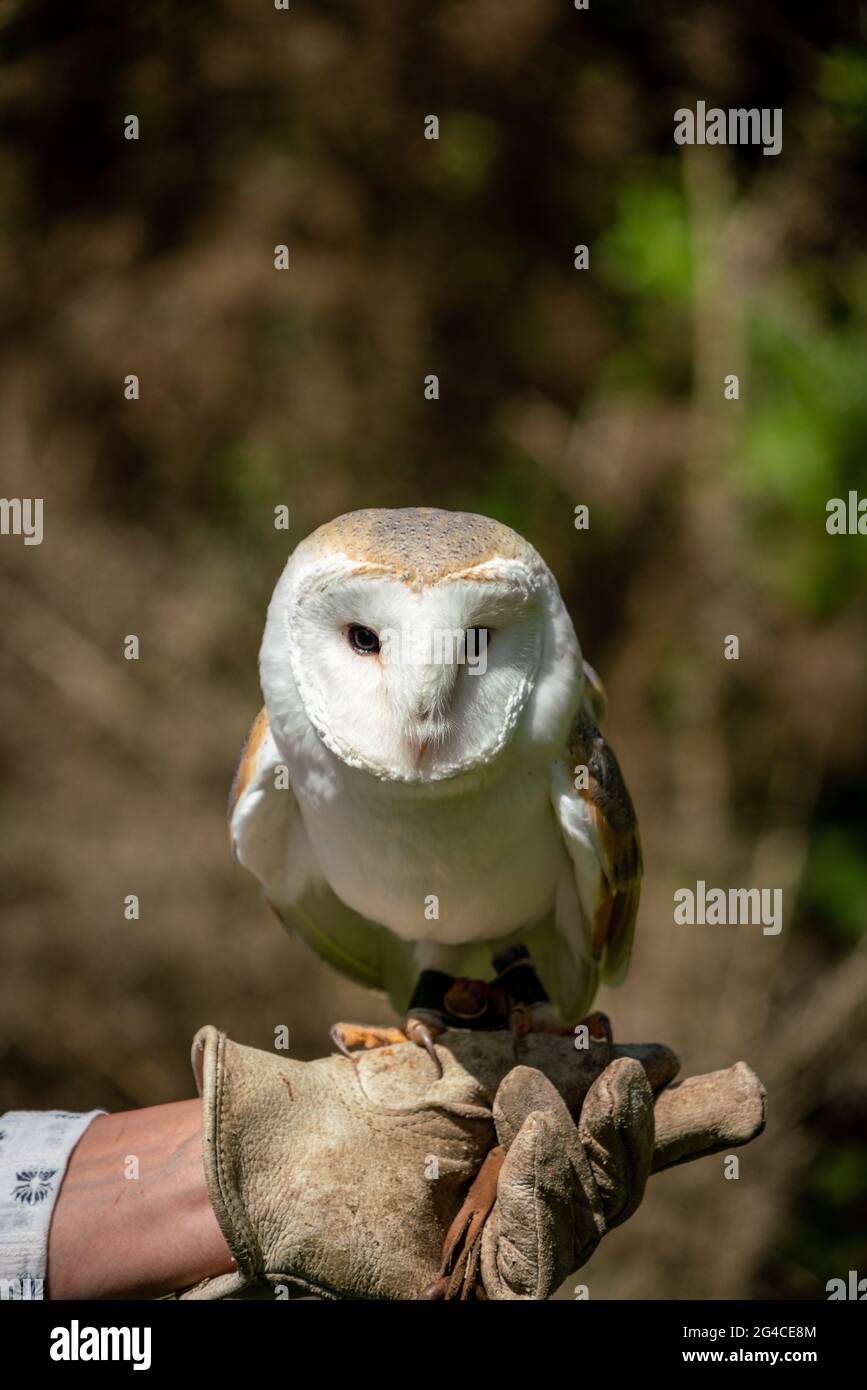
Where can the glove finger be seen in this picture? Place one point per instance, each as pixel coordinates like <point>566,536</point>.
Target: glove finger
<point>571,1071</point>
<point>548,1217</point>
<point>523,1091</point>
<point>616,1128</point>
<point>661,1065</point>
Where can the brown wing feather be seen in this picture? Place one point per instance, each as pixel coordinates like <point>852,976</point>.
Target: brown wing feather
<point>246,769</point>
<point>594,693</point>
<point>613,818</point>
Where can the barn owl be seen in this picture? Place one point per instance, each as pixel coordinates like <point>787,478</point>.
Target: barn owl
<point>426,797</point>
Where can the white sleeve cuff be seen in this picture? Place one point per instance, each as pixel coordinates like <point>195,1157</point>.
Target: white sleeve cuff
<point>35,1146</point>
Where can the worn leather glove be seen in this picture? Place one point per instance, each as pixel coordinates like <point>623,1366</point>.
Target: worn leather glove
<point>342,1178</point>
<point>563,1185</point>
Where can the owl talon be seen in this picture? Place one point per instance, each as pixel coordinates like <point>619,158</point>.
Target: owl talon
<point>519,1026</point>
<point>598,1026</point>
<point>335,1034</point>
<point>350,1039</point>
<point>420,1034</point>
<point>541,1018</point>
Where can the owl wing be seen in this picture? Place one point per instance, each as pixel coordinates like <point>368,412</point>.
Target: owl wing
<point>600,832</point>
<point>264,819</point>
<point>267,835</point>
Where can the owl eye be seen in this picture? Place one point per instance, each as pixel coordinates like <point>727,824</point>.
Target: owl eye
<point>478,639</point>
<point>362,639</point>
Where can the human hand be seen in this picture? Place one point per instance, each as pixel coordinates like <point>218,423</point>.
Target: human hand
<point>341,1178</point>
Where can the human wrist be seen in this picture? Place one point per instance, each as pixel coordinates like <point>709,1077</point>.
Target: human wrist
<point>133,1218</point>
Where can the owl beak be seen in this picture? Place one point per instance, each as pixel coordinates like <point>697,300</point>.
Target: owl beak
<point>423,735</point>
<point>427,715</point>
<point>419,741</point>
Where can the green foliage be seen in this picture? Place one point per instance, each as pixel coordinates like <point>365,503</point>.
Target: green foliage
<point>835,884</point>
<point>646,253</point>
<point>843,85</point>
<point>464,154</point>
<point>804,434</point>
<point>823,1238</point>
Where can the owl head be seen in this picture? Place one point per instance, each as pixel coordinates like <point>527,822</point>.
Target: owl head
<point>418,645</point>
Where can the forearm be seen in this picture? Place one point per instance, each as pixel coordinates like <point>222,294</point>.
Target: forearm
<point>132,1218</point>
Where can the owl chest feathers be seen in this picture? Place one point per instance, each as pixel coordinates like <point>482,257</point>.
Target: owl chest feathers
<point>451,868</point>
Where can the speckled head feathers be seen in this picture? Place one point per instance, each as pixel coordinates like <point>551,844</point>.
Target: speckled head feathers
<point>418,580</point>
<point>421,545</point>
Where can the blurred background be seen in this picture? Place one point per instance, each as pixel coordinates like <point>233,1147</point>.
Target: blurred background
<point>557,387</point>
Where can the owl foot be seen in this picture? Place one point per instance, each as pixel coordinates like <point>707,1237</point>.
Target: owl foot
<point>347,1036</point>
<point>459,1003</point>
<point>541,1018</point>
<point>422,1033</point>
<point>352,1038</point>
<point>528,1009</point>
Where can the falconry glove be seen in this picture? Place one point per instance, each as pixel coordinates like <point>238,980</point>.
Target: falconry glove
<point>372,1178</point>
